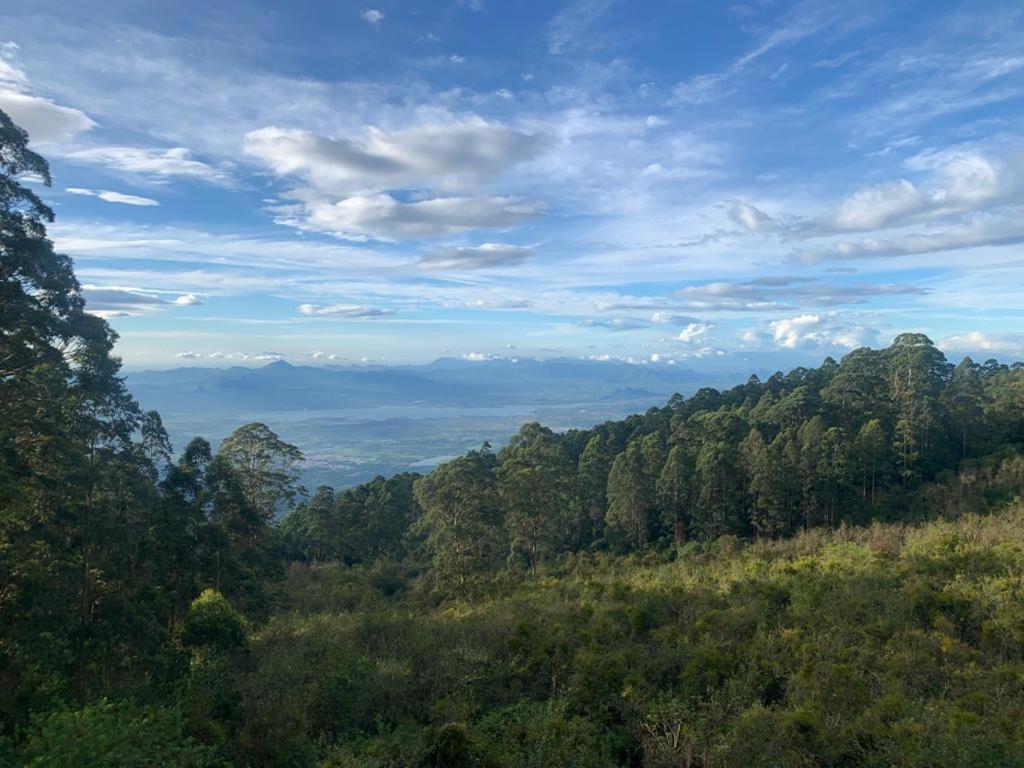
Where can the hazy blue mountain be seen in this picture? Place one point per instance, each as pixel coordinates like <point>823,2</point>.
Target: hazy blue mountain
<point>354,422</point>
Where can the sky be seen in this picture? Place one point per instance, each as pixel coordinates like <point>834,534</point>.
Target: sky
<point>694,183</point>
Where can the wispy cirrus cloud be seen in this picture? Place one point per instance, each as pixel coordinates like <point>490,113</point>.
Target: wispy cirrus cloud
<point>484,256</point>
<point>355,311</point>
<point>113,197</point>
<point>117,301</point>
<point>155,164</point>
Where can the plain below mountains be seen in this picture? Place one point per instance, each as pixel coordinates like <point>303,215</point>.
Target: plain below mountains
<point>355,422</point>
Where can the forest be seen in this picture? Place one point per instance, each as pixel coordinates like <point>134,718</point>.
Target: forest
<point>825,568</point>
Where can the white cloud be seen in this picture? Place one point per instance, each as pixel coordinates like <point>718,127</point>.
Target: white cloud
<point>456,59</point>
<point>769,293</point>
<point>1006,345</point>
<point>382,217</point>
<point>372,16</point>
<point>878,205</point>
<point>573,27</point>
<point>121,301</point>
<point>801,23</point>
<point>960,181</point>
<point>963,178</point>
<point>751,218</point>
<point>694,331</point>
<point>45,121</point>
<point>114,301</point>
<point>325,356</point>
<point>797,332</point>
<point>189,355</point>
<point>113,197</point>
<point>615,324</point>
<point>669,318</point>
<point>353,182</point>
<point>814,331</point>
<point>979,232</point>
<point>494,303</point>
<point>174,162</point>
<point>447,156</point>
<point>481,256</point>
<point>343,310</point>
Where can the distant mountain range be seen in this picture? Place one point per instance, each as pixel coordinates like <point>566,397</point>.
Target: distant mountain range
<point>354,422</point>
<point>445,382</point>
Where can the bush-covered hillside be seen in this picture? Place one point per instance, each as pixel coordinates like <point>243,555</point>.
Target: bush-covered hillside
<point>890,645</point>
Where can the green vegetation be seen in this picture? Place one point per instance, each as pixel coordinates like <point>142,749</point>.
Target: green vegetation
<point>821,569</point>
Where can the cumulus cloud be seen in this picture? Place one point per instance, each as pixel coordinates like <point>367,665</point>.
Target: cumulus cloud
<point>244,356</point>
<point>343,310</point>
<point>436,155</point>
<point>695,331</point>
<point>113,197</point>
<point>158,164</point>
<point>372,16</point>
<point>879,205</point>
<point>325,356</point>
<point>1007,345</point>
<point>810,331</point>
<point>187,300</point>
<point>962,177</point>
<point>960,180</point>
<point>477,256</point>
<point>353,184</point>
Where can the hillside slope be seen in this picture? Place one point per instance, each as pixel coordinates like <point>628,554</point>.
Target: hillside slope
<point>889,645</point>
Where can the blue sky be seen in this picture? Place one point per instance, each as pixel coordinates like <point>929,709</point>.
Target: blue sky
<point>709,184</point>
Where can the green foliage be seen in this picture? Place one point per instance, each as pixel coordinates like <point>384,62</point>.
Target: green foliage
<point>461,517</point>
<point>211,623</point>
<point>877,646</point>
<point>102,544</point>
<point>267,468</point>
<point>105,735</point>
